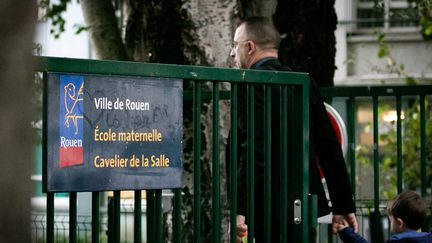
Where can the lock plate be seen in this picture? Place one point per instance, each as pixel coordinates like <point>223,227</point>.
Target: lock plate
<point>297,211</point>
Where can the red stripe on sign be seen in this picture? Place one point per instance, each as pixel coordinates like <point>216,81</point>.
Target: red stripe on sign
<point>71,156</point>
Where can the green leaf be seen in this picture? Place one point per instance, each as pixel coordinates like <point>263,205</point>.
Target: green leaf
<point>381,37</point>
<point>382,52</point>
<point>428,31</point>
<point>410,80</point>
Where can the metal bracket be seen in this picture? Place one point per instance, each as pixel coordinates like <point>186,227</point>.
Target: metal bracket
<point>297,211</point>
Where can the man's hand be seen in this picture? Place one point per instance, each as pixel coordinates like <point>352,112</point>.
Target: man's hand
<point>349,219</point>
<point>241,228</point>
<point>341,226</point>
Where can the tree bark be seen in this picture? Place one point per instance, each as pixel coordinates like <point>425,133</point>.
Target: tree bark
<point>207,37</point>
<point>105,34</point>
<point>153,31</point>
<point>257,8</point>
<point>309,44</point>
<point>16,68</point>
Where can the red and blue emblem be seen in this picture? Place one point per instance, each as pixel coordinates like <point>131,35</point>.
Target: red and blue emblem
<point>71,120</point>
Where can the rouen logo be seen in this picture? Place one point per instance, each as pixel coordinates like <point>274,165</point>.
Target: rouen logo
<point>71,120</point>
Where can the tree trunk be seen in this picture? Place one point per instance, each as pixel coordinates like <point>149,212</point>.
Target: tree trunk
<point>153,31</point>
<point>257,8</point>
<point>207,38</point>
<point>16,68</point>
<point>105,34</point>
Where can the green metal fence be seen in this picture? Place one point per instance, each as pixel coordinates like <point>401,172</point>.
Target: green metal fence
<point>345,99</point>
<point>414,97</point>
<point>295,90</point>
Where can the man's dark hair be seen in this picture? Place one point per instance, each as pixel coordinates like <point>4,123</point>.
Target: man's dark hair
<point>410,207</point>
<point>262,31</point>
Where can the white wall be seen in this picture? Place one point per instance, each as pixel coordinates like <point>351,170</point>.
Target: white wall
<point>69,44</point>
<point>342,12</point>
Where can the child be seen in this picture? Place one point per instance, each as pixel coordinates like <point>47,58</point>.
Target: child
<point>407,214</point>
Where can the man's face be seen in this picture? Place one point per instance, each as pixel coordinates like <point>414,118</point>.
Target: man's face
<point>240,48</point>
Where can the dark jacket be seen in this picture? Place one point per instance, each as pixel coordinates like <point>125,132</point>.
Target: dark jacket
<point>323,145</point>
<point>347,235</point>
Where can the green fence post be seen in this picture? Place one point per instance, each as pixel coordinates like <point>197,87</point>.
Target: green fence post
<point>95,217</point>
<point>72,216</point>
<point>376,226</point>
<point>267,163</point>
<point>150,214</point>
<point>177,217</point>
<point>313,217</point>
<point>197,160</point>
<point>216,166</point>
<point>117,216</point>
<point>50,217</point>
<point>399,144</point>
<point>284,163</point>
<point>376,154</point>
<point>233,164</point>
<point>423,146</point>
<point>251,162</point>
<point>352,143</point>
<point>137,216</point>
<point>298,165</point>
<point>111,224</point>
<point>158,215</point>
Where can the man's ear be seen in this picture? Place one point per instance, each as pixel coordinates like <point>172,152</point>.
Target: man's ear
<point>252,47</point>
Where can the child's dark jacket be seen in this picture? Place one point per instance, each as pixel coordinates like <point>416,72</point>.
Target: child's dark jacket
<point>348,236</point>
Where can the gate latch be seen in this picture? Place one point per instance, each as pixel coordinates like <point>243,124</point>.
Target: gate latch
<point>297,211</point>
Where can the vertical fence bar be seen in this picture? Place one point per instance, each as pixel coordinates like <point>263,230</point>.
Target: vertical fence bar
<point>313,217</point>
<point>177,224</point>
<point>216,166</point>
<point>49,195</point>
<point>423,145</point>
<point>158,216</point>
<point>352,143</point>
<point>50,217</point>
<point>197,160</point>
<point>150,213</point>
<point>251,162</point>
<point>298,157</point>
<point>329,234</point>
<point>111,225</point>
<point>233,164</point>
<point>376,153</point>
<point>267,163</point>
<point>399,144</point>
<point>117,216</point>
<point>95,217</point>
<point>376,225</point>
<point>72,216</point>
<point>137,216</point>
<point>284,164</point>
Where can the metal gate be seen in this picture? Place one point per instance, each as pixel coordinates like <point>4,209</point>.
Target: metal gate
<point>294,186</point>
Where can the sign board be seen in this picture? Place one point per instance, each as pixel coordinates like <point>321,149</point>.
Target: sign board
<point>112,133</point>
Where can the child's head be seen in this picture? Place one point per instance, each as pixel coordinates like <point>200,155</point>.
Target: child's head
<point>407,211</point>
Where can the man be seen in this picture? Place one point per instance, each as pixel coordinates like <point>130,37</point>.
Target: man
<point>255,46</point>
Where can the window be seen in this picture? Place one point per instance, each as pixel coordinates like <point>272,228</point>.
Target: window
<point>386,14</point>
